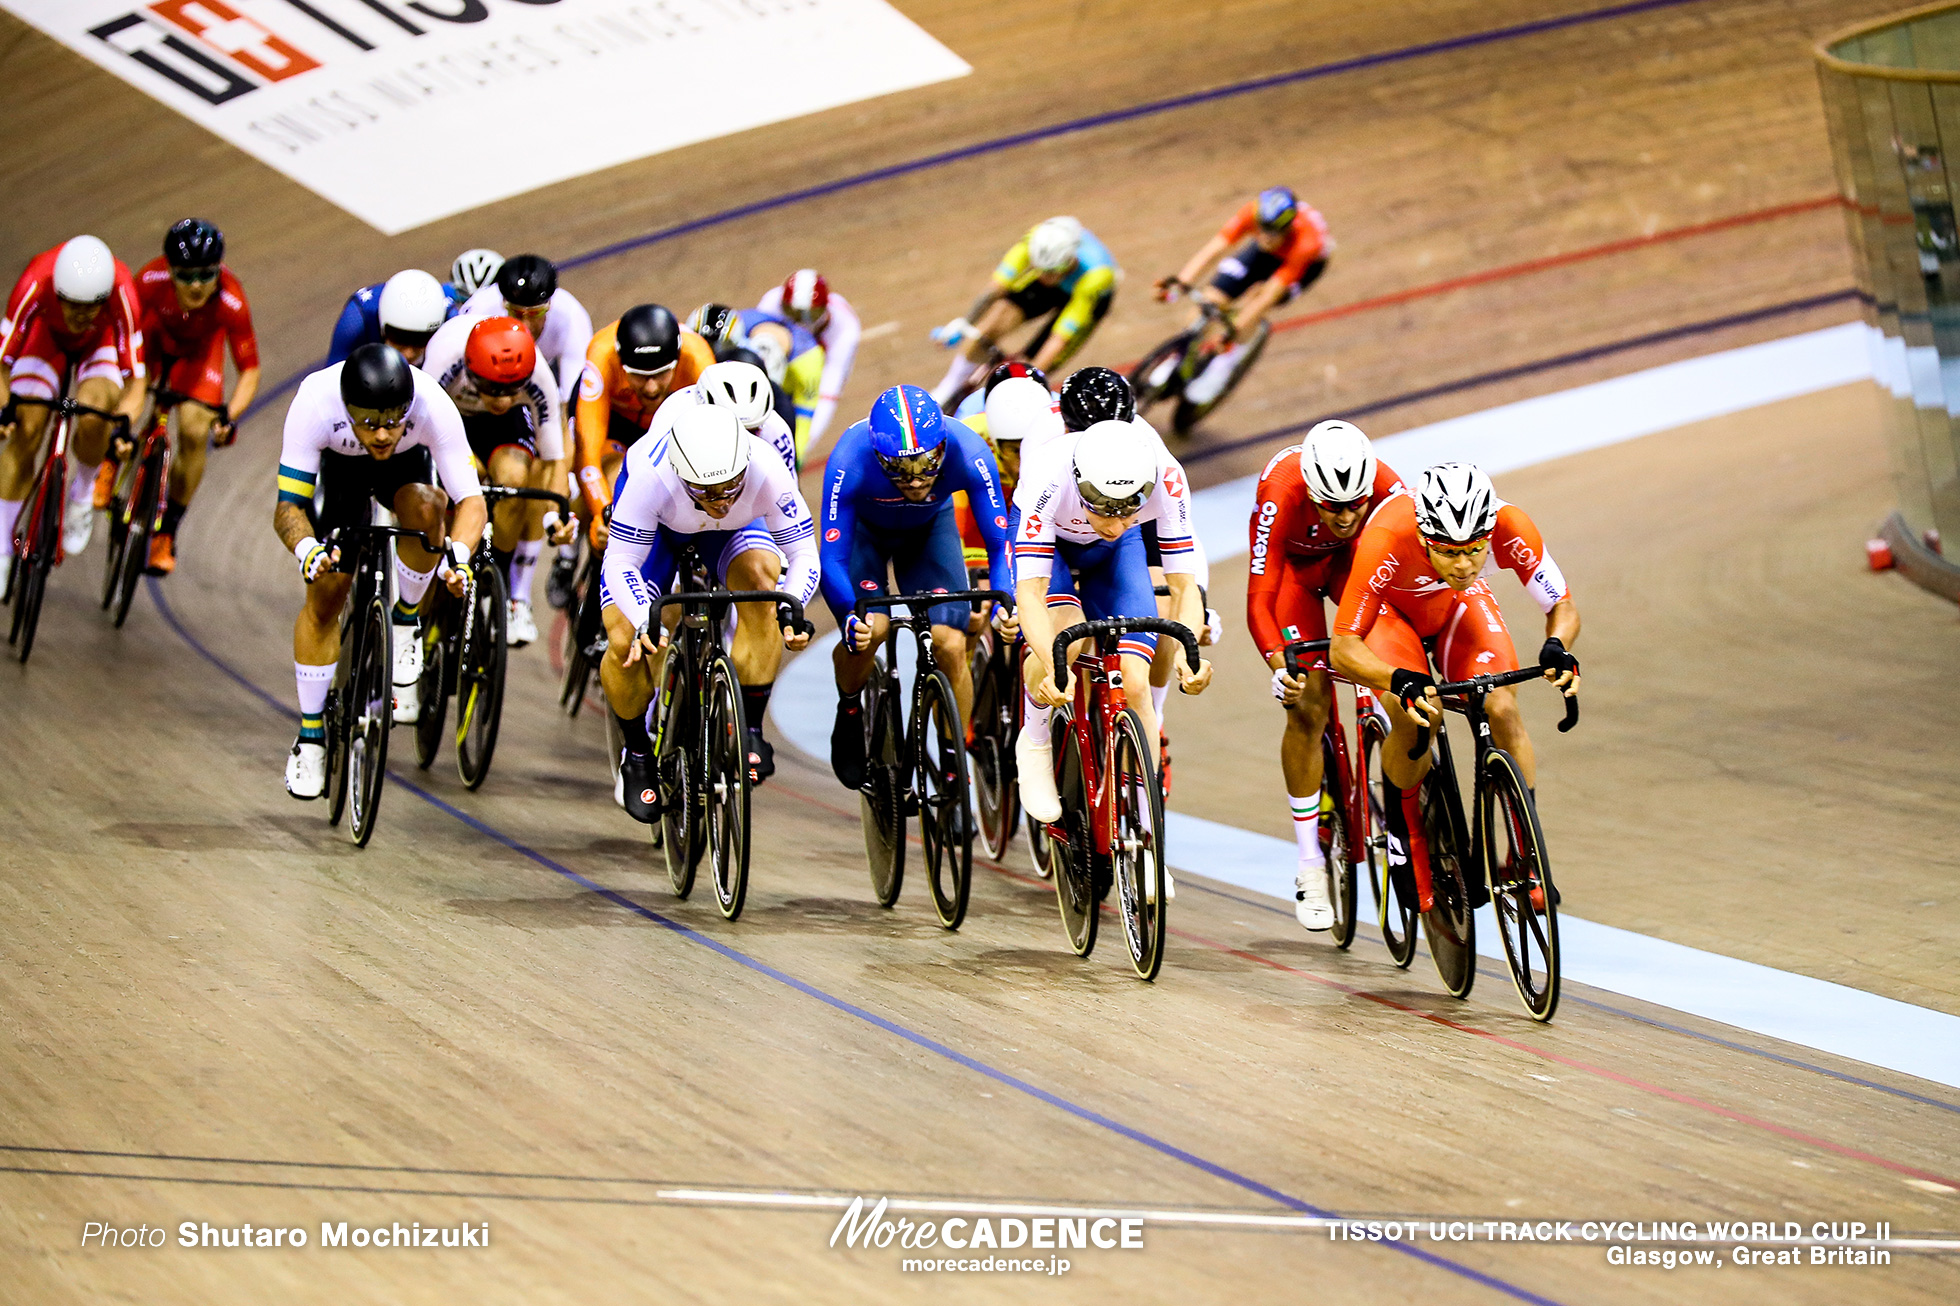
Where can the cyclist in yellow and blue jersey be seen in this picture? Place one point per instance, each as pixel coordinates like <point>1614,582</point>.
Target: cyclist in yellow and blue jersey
<point>1059,272</point>
<point>790,354</point>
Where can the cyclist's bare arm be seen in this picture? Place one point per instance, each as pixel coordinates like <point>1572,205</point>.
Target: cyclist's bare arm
<point>1037,627</point>
<point>1188,606</point>
<point>1207,253</point>
<point>1254,306</point>
<point>290,521</point>
<point>1562,624</point>
<point>469,523</point>
<point>244,393</point>
<point>134,396</point>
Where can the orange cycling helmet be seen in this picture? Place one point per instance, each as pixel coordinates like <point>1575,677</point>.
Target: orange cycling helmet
<point>501,352</point>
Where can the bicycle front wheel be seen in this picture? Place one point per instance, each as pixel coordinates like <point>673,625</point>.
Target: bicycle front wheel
<point>726,787</point>
<point>438,651</point>
<point>1522,895</point>
<point>674,762</point>
<point>1337,841</point>
<point>1394,890</point>
<point>1073,862</point>
<point>142,514</point>
<point>1136,844</point>
<point>994,793</point>
<point>945,821</point>
<point>1450,925</point>
<point>881,804</point>
<point>1160,372</point>
<point>371,704</point>
<point>31,570</point>
<point>480,655</point>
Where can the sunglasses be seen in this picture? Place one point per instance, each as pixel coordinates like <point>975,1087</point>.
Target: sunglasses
<point>1352,505</point>
<point>194,276</point>
<point>726,492</point>
<point>1104,506</point>
<point>1450,549</point>
<point>920,469</point>
<point>658,371</point>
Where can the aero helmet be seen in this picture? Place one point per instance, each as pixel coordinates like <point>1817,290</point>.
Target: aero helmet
<point>413,305</point>
<point>527,281</point>
<point>708,445</point>
<point>741,388</point>
<point>1052,245</point>
<point>474,269</point>
<point>806,297</point>
<point>1115,469</point>
<point>194,243</point>
<point>1096,394</point>
<point>649,339</point>
<point>500,351</point>
<point>376,377</point>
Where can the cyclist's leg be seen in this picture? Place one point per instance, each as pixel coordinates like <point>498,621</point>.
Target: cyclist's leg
<point>629,689</point>
<point>936,561</point>
<point>1062,338</point>
<point>751,561</point>
<point>1302,615</point>
<point>1477,643</point>
<point>346,499</point>
<point>35,376</point>
<point>99,384</point>
<point>202,379</point>
<point>870,562</point>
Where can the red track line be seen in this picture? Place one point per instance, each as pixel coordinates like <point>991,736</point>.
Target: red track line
<point>1558,261</point>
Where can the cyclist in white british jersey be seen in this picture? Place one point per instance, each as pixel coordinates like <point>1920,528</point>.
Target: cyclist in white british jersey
<point>1078,549</point>
<point>366,431</point>
<point>709,484</point>
<point>806,298</point>
<point>508,397</point>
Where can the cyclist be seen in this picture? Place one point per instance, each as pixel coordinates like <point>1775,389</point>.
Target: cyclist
<point>1283,247</point>
<point>631,366</point>
<point>192,308</point>
<point>1416,582</point>
<point>403,311</point>
<point>806,299</point>
<point>526,288</point>
<point>742,388</point>
<point>369,430</point>
<point>887,507</point>
<point>74,307</point>
<point>1058,271</point>
<point>1025,407</point>
<point>1078,549</point>
<point>472,271</point>
<point>491,368</point>
<point>1313,501</point>
<point>787,351</point>
<point>712,484</point>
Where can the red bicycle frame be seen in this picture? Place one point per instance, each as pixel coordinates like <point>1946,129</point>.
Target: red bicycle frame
<point>1099,697</point>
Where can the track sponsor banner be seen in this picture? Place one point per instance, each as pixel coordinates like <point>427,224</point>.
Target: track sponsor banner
<point>405,111</point>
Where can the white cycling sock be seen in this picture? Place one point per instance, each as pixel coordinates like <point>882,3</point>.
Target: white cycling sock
<point>81,487</point>
<point>1159,695</point>
<point>1306,826</point>
<point>314,682</point>
<point>956,372</point>
<point>412,585</point>
<point>9,518</point>
<point>524,561</point>
<point>1034,721</point>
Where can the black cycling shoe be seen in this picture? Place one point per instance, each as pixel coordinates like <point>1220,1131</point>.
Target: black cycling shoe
<point>558,587</point>
<point>636,776</point>
<point>847,745</point>
<point>762,758</point>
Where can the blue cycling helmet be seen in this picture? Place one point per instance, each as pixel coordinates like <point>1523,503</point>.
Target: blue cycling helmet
<point>908,432</point>
<point>1277,208</point>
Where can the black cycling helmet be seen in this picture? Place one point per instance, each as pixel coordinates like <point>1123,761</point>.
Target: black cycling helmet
<point>527,281</point>
<point>1009,370</point>
<point>376,377</point>
<point>194,243</point>
<point>1096,394</point>
<point>649,339</point>
<point>714,323</point>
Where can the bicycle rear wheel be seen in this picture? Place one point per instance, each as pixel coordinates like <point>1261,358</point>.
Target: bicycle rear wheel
<point>480,654</point>
<point>1337,841</point>
<point>725,786</point>
<point>584,626</point>
<point>371,710</point>
<point>1074,862</point>
<point>945,820</point>
<point>1395,897</point>
<point>438,678</point>
<point>881,804</point>
<point>1522,895</point>
<point>994,793</point>
<point>142,515</point>
<point>1450,924</point>
<point>1156,377</point>
<point>118,536</point>
<point>674,762</point>
<point>1137,845</point>
<point>31,570</point>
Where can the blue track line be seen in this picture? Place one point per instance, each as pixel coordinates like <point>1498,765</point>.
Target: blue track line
<point>911,1036</point>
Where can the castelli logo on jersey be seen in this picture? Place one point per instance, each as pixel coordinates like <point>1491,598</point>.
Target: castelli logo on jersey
<point>1001,522</point>
<point>868,585</point>
<point>1261,536</point>
<point>832,535</point>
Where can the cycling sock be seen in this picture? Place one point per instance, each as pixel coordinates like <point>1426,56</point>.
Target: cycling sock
<point>1034,721</point>
<point>524,561</point>
<point>1396,821</point>
<point>411,585</point>
<point>1306,825</point>
<point>633,729</point>
<point>314,682</point>
<point>9,515</point>
<point>1160,695</point>
<point>851,701</point>
<point>569,552</point>
<point>755,704</point>
<point>956,371</point>
<point>173,517</point>
<point>82,488</point>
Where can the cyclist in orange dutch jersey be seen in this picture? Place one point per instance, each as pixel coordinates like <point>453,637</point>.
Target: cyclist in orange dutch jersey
<point>1313,501</point>
<point>631,366</point>
<point>1417,581</point>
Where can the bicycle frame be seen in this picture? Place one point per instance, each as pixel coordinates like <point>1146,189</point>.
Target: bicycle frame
<point>53,471</point>
<point>918,620</point>
<point>1354,788</point>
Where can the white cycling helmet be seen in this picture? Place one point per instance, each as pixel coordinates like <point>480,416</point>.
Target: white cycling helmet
<point>84,271</point>
<point>1338,463</point>
<point>414,303</point>
<point>1052,244</point>
<point>708,445</point>
<point>742,388</point>
<point>1115,468</point>
<point>1456,503</point>
<point>474,269</point>
<point>1021,407</point>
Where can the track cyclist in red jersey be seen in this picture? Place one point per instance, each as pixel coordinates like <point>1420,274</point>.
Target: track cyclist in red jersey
<point>74,310</point>
<point>193,307</point>
<point>1417,588</point>
<point>1313,500</point>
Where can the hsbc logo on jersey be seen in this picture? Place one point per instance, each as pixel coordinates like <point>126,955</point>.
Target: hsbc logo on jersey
<point>346,96</point>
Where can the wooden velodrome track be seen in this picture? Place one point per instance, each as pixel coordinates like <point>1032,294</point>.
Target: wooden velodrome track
<point>213,1008</point>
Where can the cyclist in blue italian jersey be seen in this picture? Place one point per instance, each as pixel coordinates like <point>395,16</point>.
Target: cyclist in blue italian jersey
<point>403,311</point>
<point>888,507</point>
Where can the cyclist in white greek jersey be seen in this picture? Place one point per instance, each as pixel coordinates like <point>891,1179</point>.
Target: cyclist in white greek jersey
<point>742,388</point>
<point>711,485</point>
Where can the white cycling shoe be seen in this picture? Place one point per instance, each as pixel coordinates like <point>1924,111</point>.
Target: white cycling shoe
<point>1311,906</point>
<point>408,674</point>
<point>1035,759</point>
<point>520,627</point>
<point>1210,383</point>
<point>77,525</point>
<point>6,575</point>
<point>306,770</point>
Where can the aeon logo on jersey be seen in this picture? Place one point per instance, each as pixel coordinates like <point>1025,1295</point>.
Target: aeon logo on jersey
<point>1261,536</point>
<point>1383,574</point>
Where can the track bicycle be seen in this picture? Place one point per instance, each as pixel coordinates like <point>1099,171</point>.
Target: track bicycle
<point>995,669</point>
<point>1167,369</point>
<point>465,650</point>
<point>916,765</point>
<point>584,636</point>
<point>37,532</point>
<point>701,739</point>
<point>1112,826</point>
<point>1350,825</point>
<point>1500,859</point>
<point>361,703</point>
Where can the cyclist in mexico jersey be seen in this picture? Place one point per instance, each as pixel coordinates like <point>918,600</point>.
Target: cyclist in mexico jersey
<point>1418,589</point>
<point>617,400</point>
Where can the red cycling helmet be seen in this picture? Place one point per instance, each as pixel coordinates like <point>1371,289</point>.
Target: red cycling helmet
<point>501,352</point>
<point>806,296</point>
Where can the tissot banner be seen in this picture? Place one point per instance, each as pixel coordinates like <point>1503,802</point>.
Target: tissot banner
<point>405,111</point>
